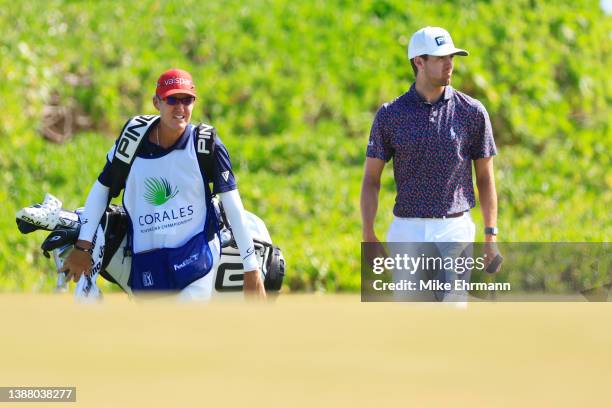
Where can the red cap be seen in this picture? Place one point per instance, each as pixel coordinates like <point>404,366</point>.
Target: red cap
<point>175,81</point>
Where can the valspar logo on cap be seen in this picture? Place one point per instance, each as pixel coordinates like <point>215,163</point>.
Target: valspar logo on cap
<point>179,81</point>
<point>175,81</point>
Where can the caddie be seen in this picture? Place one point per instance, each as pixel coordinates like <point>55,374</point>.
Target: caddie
<point>173,233</point>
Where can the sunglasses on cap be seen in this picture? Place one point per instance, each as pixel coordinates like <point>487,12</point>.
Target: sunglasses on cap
<point>173,100</point>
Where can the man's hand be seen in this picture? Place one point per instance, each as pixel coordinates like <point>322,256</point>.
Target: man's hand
<point>77,263</point>
<point>253,285</point>
<point>369,236</point>
<point>491,253</point>
<point>373,249</point>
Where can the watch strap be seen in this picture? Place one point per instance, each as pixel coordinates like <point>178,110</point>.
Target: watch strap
<point>491,230</point>
<point>83,249</point>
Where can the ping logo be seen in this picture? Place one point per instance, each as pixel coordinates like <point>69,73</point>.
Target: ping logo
<point>441,40</point>
<point>204,135</point>
<point>131,136</point>
<point>225,175</point>
<point>159,191</point>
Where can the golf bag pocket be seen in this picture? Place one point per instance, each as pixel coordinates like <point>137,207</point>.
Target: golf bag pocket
<point>171,268</point>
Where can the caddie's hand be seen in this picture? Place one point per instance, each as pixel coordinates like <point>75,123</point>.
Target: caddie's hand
<point>77,263</point>
<point>253,285</point>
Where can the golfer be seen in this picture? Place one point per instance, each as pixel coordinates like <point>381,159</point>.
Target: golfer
<point>434,134</point>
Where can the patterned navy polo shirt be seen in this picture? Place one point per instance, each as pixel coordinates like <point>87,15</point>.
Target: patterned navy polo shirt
<point>432,146</point>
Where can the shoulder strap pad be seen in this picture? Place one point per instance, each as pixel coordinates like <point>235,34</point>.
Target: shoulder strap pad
<point>128,143</point>
<point>205,148</point>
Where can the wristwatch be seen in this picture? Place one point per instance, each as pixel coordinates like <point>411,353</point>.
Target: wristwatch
<point>490,230</point>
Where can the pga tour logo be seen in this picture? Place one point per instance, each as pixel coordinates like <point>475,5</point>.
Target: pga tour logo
<point>147,279</point>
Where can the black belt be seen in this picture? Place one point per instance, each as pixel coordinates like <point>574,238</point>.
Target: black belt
<point>454,215</point>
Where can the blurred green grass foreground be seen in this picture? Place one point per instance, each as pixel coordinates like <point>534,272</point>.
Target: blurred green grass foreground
<point>292,88</point>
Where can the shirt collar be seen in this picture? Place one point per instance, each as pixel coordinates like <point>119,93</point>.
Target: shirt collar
<point>448,92</point>
<point>153,150</point>
<point>414,96</point>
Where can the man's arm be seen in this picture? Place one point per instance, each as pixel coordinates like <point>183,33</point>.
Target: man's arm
<point>487,194</point>
<point>232,204</point>
<point>370,188</point>
<point>78,261</point>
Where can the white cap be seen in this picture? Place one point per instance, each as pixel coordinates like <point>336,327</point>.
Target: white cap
<point>432,41</point>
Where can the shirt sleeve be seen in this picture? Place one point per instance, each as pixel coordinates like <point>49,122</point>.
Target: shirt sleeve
<point>105,178</point>
<point>483,144</point>
<point>94,209</point>
<point>379,146</point>
<point>242,234</point>
<point>223,176</point>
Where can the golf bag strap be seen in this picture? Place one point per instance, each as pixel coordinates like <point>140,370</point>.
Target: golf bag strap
<point>131,138</point>
<point>205,149</point>
<point>127,146</point>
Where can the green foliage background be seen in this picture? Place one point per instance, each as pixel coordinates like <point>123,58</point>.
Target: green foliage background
<point>292,88</point>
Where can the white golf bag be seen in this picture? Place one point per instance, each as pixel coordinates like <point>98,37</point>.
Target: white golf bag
<point>111,257</point>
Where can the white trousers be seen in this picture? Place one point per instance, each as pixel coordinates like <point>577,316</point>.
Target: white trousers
<point>452,238</point>
<point>459,229</point>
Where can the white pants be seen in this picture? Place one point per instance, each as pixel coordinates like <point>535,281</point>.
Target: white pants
<point>201,289</point>
<point>459,229</point>
<point>452,238</point>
